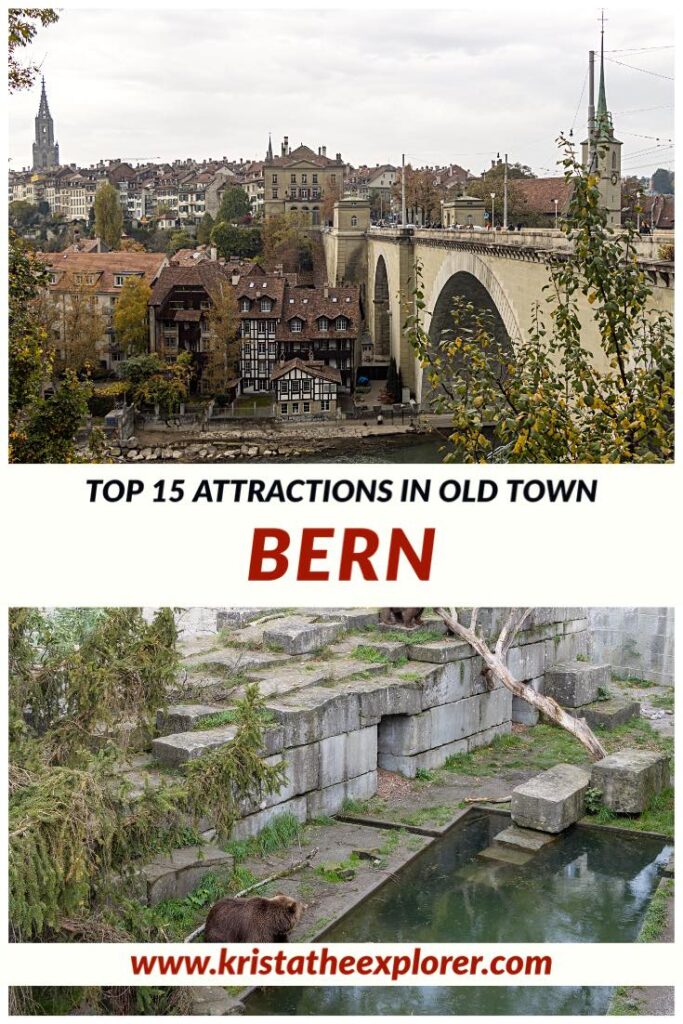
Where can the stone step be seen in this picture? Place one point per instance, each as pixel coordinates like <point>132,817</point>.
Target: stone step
<point>302,674</point>
<point>551,801</point>
<point>304,638</point>
<point>505,855</point>
<point>351,618</point>
<point>523,839</point>
<point>234,659</point>
<point>440,652</point>
<point>628,779</point>
<point>174,875</point>
<point>575,683</point>
<point>183,717</point>
<point>177,748</point>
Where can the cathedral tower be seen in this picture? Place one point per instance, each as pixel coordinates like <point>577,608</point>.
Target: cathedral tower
<point>601,150</point>
<point>45,149</point>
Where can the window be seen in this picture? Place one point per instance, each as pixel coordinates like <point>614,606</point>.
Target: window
<point>283,408</point>
<point>295,407</point>
<point>314,179</point>
<point>266,305</point>
<point>245,305</point>
<point>274,193</point>
<point>306,387</point>
<point>295,325</point>
<point>296,387</point>
<point>205,304</point>
<point>333,179</point>
<point>323,324</point>
<point>307,406</point>
<point>304,179</point>
<point>325,404</point>
<point>342,323</point>
<point>354,221</point>
<point>293,179</point>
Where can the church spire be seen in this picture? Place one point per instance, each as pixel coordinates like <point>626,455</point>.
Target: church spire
<point>269,153</point>
<point>603,118</point>
<point>45,149</point>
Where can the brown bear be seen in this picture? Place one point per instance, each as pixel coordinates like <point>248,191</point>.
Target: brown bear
<point>258,919</point>
<point>408,617</point>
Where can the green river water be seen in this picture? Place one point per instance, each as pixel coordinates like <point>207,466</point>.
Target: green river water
<point>588,886</point>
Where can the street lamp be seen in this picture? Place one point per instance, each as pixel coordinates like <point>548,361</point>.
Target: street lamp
<point>493,210</point>
<point>556,201</point>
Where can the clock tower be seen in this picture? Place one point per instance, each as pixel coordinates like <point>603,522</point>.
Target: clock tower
<point>601,152</point>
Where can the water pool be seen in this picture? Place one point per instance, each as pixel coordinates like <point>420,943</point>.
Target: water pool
<point>589,885</point>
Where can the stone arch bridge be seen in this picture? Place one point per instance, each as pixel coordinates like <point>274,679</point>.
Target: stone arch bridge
<point>503,274</point>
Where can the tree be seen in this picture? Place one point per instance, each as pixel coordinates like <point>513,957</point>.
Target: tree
<point>108,215</point>
<point>544,398</point>
<point>286,241</point>
<point>204,229</point>
<point>232,240</point>
<point>179,240</point>
<point>83,329</point>
<point>494,657</point>
<point>131,245</point>
<point>663,182</point>
<point>331,195</point>
<point>234,206</point>
<point>22,214</point>
<point>423,197</point>
<point>223,323</point>
<point>131,322</point>
<point>156,382</point>
<point>23,25</point>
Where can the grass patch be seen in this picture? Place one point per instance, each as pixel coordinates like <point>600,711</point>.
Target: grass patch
<point>227,717</point>
<point>366,653</point>
<point>657,914</point>
<point>344,871</point>
<point>665,701</point>
<point>351,806</point>
<point>624,1003</point>
<point>283,831</point>
<point>438,815</point>
<point>173,919</point>
<point>411,677</point>
<point>658,817</point>
<point>542,746</point>
<point>424,775</point>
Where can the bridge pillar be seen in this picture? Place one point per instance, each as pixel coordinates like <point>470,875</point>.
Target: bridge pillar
<point>401,349</point>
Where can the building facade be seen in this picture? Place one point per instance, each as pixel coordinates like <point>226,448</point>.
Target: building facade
<point>306,388</point>
<point>299,180</point>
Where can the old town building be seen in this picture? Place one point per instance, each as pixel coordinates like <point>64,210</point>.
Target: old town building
<point>299,180</point>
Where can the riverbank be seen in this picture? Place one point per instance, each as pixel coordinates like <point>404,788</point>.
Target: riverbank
<point>347,442</point>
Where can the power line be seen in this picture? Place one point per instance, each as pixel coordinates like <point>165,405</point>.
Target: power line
<point>642,110</point>
<point>578,105</point>
<point>640,49</point>
<point>638,135</point>
<point>645,71</point>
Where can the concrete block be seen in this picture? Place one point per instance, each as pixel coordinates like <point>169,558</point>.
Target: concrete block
<point>527,661</point>
<point>315,713</point>
<point>345,756</point>
<point>413,734</point>
<point>408,764</point>
<point>524,713</point>
<point>551,801</point>
<point>629,779</point>
<point>573,684</point>
<point>328,801</point>
<point>302,639</point>
<point>302,765</point>
<point>453,681</point>
<point>351,618</point>
<point>523,838</point>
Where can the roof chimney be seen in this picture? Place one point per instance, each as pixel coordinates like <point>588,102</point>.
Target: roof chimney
<point>324,149</point>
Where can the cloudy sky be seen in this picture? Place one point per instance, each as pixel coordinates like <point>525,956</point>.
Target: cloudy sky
<point>442,85</point>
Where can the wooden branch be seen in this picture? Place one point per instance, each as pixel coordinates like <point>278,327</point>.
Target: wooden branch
<point>259,885</point>
<point>495,667</point>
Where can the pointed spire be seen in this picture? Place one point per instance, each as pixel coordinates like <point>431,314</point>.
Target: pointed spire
<point>269,154</point>
<point>43,109</point>
<point>602,99</point>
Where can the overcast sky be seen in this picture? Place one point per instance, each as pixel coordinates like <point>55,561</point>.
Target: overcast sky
<point>442,85</point>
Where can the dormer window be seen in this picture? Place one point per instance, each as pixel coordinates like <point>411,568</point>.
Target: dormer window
<point>296,325</point>
<point>245,305</point>
<point>323,324</point>
<point>266,305</point>
<point>119,280</point>
<point>342,323</point>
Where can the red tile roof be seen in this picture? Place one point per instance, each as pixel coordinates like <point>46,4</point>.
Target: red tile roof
<point>313,369</point>
<point>103,266</point>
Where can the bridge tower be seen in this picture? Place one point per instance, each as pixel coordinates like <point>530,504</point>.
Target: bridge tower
<point>601,151</point>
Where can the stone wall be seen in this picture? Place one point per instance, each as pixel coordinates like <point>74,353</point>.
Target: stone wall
<point>638,642</point>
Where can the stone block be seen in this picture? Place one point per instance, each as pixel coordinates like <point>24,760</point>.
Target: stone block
<point>302,639</point>
<point>524,713</point>
<point>482,739</point>
<point>302,765</point>
<point>315,713</point>
<point>328,801</point>
<point>629,779</point>
<point>252,824</point>
<point>409,764</point>
<point>608,714</point>
<point>413,734</point>
<point>345,756</point>
<point>352,618</point>
<point>174,875</point>
<point>575,683</point>
<point>440,652</point>
<point>177,748</point>
<point>551,801</point>
<point>447,683</point>
<point>182,717</point>
<point>528,661</point>
<point>506,855</point>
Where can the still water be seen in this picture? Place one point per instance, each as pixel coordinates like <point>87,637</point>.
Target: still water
<point>588,886</point>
